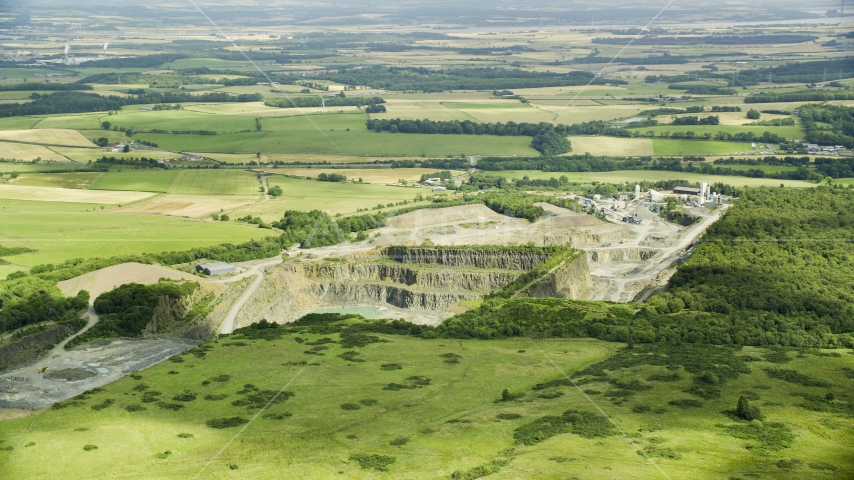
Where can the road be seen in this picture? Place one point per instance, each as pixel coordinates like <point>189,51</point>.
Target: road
<point>228,324</point>
<point>93,319</point>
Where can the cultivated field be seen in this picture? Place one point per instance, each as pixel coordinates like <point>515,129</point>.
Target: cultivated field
<point>49,136</point>
<point>28,152</point>
<point>48,194</point>
<point>368,175</point>
<point>81,180</point>
<point>620,147</point>
<point>143,181</point>
<point>192,206</point>
<point>216,182</point>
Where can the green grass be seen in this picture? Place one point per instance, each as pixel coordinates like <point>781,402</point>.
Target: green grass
<point>86,121</point>
<point>450,425</point>
<point>312,123</point>
<point>143,181</point>
<point>62,231</point>
<point>32,168</point>
<point>344,198</point>
<point>183,120</point>
<point>225,143</point>
<point>216,182</point>
<point>18,123</point>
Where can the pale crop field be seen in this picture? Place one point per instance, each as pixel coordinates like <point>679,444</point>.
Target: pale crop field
<point>435,111</point>
<point>48,136</point>
<point>216,182</point>
<point>193,206</point>
<point>85,155</point>
<point>615,146</point>
<point>245,158</point>
<point>577,114</point>
<point>84,121</point>
<point>26,151</point>
<point>48,194</point>
<point>82,180</point>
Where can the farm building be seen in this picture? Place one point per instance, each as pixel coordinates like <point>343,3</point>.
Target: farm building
<point>218,268</point>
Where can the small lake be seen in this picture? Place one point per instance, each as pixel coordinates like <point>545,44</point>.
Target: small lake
<point>367,312</point>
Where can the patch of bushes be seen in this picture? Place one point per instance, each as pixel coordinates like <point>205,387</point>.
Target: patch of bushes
<point>390,366</point>
<point>169,406</point>
<point>140,388</point>
<point>769,436</point>
<point>350,406</point>
<point>235,344</point>
<point>777,355</point>
<point>368,402</point>
<point>481,470</point>
<point>214,398</point>
<point>351,356</point>
<point>661,452</point>
<point>184,397</point>
<point>451,358</point>
<point>351,340</point>
<point>664,377</point>
<point>106,403</point>
<point>89,448</point>
<point>262,330</point>
<point>135,408</point>
<point>150,396</point>
<point>259,399</point>
<point>506,396</point>
<point>371,461</point>
<point>508,416</point>
<point>316,350</point>
<point>399,441</point>
<point>686,403</point>
<point>791,376</point>
<point>278,416</point>
<point>826,467</point>
<point>185,435</point>
<point>231,422</point>
<point>551,395</point>
<point>641,409</point>
<point>583,424</point>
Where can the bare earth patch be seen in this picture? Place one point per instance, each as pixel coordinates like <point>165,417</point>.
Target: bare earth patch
<point>611,146</point>
<point>106,279</point>
<point>193,206</point>
<point>23,151</point>
<point>423,218</point>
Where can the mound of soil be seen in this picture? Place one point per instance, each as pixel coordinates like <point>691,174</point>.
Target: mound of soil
<point>439,216</point>
<point>70,374</point>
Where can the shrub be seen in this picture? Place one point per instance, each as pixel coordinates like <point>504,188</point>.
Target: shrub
<point>169,406</point>
<point>214,398</point>
<point>641,409</point>
<point>278,416</point>
<point>584,424</point>
<point>89,448</point>
<point>551,395</point>
<point>686,403</point>
<point>451,358</point>
<point>134,408</point>
<point>390,366</point>
<point>745,411</point>
<point>792,376</point>
<point>350,406</point>
<point>399,441</point>
<point>184,397</point>
<point>508,416</point>
<point>369,402</point>
<point>185,435</point>
<point>351,356</point>
<point>370,461</point>
<point>106,403</point>
<point>226,422</point>
<point>664,377</point>
<point>140,388</point>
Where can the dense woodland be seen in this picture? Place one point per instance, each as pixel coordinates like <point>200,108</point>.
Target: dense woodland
<point>840,120</point>
<point>310,102</point>
<point>710,40</point>
<point>812,95</point>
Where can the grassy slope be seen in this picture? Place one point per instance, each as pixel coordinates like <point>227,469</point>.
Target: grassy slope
<point>320,437</point>
<point>62,231</point>
<point>144,181</point>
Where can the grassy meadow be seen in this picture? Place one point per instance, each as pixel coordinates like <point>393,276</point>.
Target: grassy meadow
<point>215,182</point>
<point>434,408</point>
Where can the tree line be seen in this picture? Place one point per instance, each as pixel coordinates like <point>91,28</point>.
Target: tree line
<point>77,102</point>
<point>799,96</point>
<point>840,119</point>
<point>311,102</point>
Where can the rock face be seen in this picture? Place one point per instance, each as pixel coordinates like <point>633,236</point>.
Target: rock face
<point>621,254</point>
<point>416,279</point>
<point>572,281</point>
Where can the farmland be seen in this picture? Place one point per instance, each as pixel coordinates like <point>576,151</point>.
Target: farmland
<point>215,182</point>
<point>148,181</point>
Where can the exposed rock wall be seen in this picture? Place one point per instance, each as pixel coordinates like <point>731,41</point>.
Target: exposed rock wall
<point>374,294</point>
<point>621,255</point>
<point>572,281</point>
<point>466,258</point>
<point>449,278</point>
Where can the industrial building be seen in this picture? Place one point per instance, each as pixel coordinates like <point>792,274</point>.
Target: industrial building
<point>686,191</point>
<point>218,268</point>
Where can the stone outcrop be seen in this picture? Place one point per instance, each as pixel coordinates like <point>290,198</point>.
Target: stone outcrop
<point>417,279</point>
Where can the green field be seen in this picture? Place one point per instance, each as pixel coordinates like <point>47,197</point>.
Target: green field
<point>344,198</point>
<point>337,409</point>
<point>216,182</point>
<point>18,123</point>
<point>85,121</point>
<point>183,120</point>
<point>665,147</point>
<point>225,143</point>
<point>62,231</point>
<point>143,181</point>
